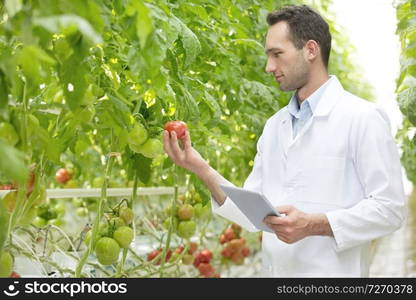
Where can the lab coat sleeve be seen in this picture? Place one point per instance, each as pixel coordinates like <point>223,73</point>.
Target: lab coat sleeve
<point>377,164</point>
<point>228,209</point>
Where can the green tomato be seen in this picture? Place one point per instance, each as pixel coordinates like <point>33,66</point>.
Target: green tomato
<point>60,208</point>
<point>71,184</point>
<point>188,259</point>
<point>56,222</point>
<point>8,133</point>
<point>77,202</point>
<point>152,148</point>
<point>45,211</point>
<point>138,135</point>
<point>202,211</point>
<point>98,182</point>
<point>186,229</point>
<point>103,230</point>
<point>124,236</point>
<point>6,264</point>
<point>39,222</point>
<point>107,251</point>
<point>116,222</point>
<point>198,210</point>
<point>185,212</point>
<point>82,211</point>
<point>197,198</point>
<point>126,214</point>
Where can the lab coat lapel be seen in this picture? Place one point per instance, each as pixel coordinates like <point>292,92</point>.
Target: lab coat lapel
<point>286,132</point>
<point>330,97</point>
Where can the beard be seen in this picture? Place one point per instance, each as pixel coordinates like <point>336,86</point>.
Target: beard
<point>297,77</point>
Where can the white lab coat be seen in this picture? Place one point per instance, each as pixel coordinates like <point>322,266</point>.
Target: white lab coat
<point>344,163</point>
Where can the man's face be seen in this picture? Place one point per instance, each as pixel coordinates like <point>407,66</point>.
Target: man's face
<point>284,61</point>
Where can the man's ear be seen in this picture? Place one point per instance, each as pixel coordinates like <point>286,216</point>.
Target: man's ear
<point>312,50</point>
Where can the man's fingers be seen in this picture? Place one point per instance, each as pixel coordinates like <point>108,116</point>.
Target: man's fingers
<point>285,209</point>
<point>174,145</point>
<point>166,144</point>
<point>187,140</point>
<point>275,220</point>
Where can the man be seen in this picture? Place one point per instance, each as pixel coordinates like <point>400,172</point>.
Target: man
<point>327,160</point>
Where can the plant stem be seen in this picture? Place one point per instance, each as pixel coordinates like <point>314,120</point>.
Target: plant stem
<point>172,217</point>
<point>95,227</point>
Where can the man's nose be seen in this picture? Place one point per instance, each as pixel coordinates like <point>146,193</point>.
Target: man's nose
<point>270,66</point>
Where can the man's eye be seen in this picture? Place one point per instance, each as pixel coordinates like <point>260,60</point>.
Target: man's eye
<point>276,54</point>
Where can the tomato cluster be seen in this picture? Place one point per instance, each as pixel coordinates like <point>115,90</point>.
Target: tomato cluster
<point>50,213</point>
<point>201,260</point>
<point>113,235</point>
<point>189,208</point>
<point>234,249</point>
<point>140,142</point>
<point>202,263</point>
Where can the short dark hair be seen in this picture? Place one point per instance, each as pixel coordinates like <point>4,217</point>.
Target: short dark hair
<point>304,24</point>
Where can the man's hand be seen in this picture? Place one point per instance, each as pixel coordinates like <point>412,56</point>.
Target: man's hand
<point>187,157</point>
<point>297,225</point>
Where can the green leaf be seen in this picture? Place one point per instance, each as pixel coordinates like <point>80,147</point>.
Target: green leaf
<point>13,7</point>
<point>73,80</point>
<point>57,24</point>
<point>407,102</point>
<point>212,104</point>
<point>12,163</point>
<point>190,41</point>
<point>144,26</point>
<point>141,165</point>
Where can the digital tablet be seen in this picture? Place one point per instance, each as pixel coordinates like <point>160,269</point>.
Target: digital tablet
<point>253,205</point>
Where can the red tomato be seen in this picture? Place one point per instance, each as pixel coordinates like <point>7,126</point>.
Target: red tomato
<point>192,247</point>
<point>238,258</point>
<point>178,126</point>
<point>197,261</point>
<point>179,250</point>
<point>223,239</point>
<point>237,244</point>
<point>206,269</point>
<point>62,176</point>
<point>229,234</point>
<point>226,252</point>
<point>207,254</point>
<point>153,254</point>
<point>15,275</point>
<point>236,228</point>
<point>245,251</point>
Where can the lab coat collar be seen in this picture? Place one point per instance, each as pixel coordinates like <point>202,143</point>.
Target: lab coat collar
<point>312,100</point>
<point>330,97</point>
